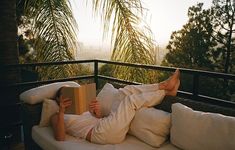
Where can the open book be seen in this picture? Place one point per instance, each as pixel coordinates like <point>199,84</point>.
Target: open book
<point>80,97</point>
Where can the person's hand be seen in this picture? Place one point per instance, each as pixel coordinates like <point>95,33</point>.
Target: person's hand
<point>94,108</point>
<point>64,103</point>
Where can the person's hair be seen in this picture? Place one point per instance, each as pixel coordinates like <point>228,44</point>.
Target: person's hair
<point>58,94</point>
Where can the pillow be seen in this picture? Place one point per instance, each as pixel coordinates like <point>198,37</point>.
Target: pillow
<point>151,125</point>
<point>106,97</point>
<point>36,95</point>
<point>196,130</point>
<point>49,108</point>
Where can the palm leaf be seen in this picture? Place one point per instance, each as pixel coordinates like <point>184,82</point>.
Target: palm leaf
<point>55,34</point>
<point>131,43</point>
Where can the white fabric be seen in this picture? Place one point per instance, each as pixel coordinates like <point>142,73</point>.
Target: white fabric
<point>45,139</point>
<point>49,108</point>
<point>106,97</point>
<point>109,97</point>
<point>151,126</point>
<point>196,130</point>
<point>113,129</point>
<point>79,125</point>
<point>145,91</point>
<point>36,95</point>
<point>143,88</point>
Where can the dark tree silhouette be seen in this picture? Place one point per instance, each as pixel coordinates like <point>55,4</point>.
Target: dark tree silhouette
<point>192,46</point>
<point>223,13</point>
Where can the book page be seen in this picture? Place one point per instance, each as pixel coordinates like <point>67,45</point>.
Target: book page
<point>90,94</point>
<point>80,97</point>
<point>71,93</point>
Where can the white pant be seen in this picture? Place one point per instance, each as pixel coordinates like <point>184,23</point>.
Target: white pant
<point>113,129</point>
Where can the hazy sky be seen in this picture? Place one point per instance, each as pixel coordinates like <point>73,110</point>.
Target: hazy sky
<point>166,16</point>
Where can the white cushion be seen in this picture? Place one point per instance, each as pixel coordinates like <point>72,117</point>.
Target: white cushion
<point>196,130</point>
<point>36,95</point>
<point>151,126</point>
<point>106,97</point>
<point>44,137</point>
<point>49,108</point>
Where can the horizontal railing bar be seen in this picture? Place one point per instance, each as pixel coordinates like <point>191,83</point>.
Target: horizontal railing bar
<point>51,81</point>
<point>13,124</point>
<point>165,68</point>
<point>201,98</point>
<point>145,66</point>
<point>207,99</point>
<point>117,80</point>
<point>185,93</point>
<point>48,63</point>
<point>154,67</point>
<point>10,104</point>
<point>135,83</point>
<point>216,101</point>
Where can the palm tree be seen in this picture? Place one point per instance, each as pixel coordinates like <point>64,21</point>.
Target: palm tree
<point>132,39</point>
<point>55,28</point>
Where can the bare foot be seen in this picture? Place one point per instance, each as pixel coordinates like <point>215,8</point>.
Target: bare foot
<point>174,91</point>
<point>170,83</point>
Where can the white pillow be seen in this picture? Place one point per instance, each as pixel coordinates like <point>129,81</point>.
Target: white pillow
<point>196,130</point>
<point>151,126</point>
<point>36,95</point>
<point>106,97</point>
<point>49,108</point>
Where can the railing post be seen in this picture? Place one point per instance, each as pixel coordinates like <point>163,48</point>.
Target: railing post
<point>195,84</point>
<point>96,73</point>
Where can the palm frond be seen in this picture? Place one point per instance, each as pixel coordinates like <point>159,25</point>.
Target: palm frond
<point>131,43</point>
<point>55,32</point>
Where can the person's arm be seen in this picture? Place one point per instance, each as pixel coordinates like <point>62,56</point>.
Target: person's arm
<point>57,121</point>
<point>94,108</point>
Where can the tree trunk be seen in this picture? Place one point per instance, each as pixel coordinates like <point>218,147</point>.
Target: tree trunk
<point>229,45</point>
<point>9,106</point>
<point>8,39</point>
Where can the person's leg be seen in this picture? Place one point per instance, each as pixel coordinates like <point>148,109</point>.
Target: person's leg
<point>165,85</point>
<point>113,129</point>
<point>170,83</point>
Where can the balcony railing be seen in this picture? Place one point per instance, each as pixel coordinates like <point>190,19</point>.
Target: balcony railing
<point>13,123</point>
<point>196,74</point>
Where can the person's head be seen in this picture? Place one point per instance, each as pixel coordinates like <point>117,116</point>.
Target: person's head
<point>59,93</point>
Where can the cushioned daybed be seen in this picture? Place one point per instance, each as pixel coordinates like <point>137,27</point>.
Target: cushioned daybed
<point>42,137</point>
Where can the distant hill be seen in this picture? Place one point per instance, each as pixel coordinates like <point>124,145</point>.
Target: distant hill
<point>98,52</point>
<point>92,52</point>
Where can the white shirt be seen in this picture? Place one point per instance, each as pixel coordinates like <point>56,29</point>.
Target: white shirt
<point>79,125</point>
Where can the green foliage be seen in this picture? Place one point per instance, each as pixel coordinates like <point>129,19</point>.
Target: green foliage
<point>199,45</point>
<point>192,46</point>
<point>132,42</point>
<point>26,52</point>
<point>223,13</point>
<point>54,29</point>
<point>106,70</point>
<point>73,71</point>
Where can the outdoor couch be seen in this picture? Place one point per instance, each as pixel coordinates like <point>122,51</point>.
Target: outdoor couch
<point>181,136</point>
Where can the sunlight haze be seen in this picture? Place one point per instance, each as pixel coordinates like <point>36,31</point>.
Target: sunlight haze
<point>164,17</point>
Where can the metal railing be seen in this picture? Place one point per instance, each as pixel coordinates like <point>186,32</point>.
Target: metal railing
<point>196,74</point>
<point>15,123</point>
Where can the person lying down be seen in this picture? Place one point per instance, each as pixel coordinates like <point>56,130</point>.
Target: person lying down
<point>111,129</point>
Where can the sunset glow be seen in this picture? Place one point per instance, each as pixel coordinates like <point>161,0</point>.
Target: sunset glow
<point>164,17</point>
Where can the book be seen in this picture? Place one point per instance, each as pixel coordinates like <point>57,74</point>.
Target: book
<point>80,97</point>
